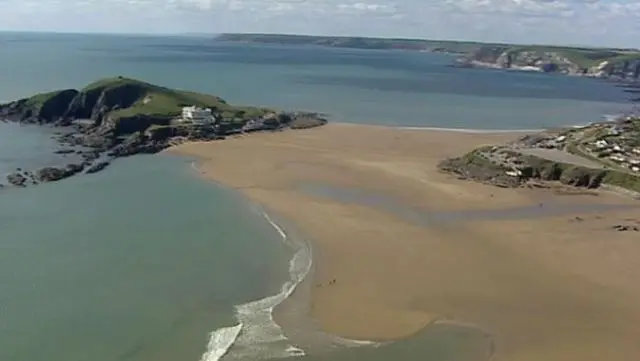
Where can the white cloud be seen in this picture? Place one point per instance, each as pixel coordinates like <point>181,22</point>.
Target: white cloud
<point>368,7</point>
<point>601,22</point>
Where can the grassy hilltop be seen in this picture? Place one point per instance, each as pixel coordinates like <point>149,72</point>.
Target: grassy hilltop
<point>154,100</point>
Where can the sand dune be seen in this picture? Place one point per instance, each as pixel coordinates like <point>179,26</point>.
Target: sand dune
<point>548,288</point>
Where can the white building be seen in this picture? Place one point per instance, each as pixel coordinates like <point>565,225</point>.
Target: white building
<point>197,115</point>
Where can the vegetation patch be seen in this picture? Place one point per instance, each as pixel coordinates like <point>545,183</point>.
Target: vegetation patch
<point>505,167</point>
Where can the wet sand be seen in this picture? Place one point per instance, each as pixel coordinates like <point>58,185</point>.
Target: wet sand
<point>414,245</point>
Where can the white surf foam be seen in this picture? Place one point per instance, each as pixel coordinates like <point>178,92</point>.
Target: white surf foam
<point>258,336</point>
<point>261,336</point>
<point>473,131</point>
<point>283,235</point>
<point>220,341</point>
<point>260,332</point>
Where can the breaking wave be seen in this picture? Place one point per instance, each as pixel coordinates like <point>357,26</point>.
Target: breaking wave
<point>257,335</point>
<point>219,342</point>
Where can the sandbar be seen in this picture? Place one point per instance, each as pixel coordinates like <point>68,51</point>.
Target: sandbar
<point>558,287</point>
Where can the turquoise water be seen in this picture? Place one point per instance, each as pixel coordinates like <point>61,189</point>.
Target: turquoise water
<point>137,263</point>
<point>143,261</point>
<point>33,150</point>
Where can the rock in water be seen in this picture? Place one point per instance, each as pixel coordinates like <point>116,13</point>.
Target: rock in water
<point>74,168</point>
<point>52,174</point>
<point>97,167</point>
<point>17,179</point>
<point>49,174</point>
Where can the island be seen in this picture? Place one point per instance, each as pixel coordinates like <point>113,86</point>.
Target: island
<point>602,154</point>
<point>119,116</point>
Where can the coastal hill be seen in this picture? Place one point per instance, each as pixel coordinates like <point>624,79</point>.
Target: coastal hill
<point>118,117</point>
<point>120,104</point>
<point>565,59</point>
<point>600,154</point>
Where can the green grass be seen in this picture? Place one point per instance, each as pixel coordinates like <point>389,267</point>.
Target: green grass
<point>37,100</point>
<point>622,180</point>
<point>612,177</point>
<point>165,102</point>
<point>478,159</point>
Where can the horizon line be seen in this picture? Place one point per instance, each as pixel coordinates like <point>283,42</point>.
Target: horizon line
<point>217,34</point>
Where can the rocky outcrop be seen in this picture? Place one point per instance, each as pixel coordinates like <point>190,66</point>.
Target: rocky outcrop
<point>97,102</point>
<point>97,167</point>
<point>21,178</point>
<point>474,166</point>
<point>138,143</point>
<point>17,179</point>
<point>507,168</point>
<point>52,174</point>
<point>40,108</point>
<point>132,124</point>
<point>306,120</point>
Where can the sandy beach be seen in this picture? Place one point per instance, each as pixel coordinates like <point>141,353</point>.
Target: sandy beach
<point>398,245</point>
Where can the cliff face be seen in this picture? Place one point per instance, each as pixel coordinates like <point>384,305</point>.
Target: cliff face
<point>581,61</point>
<point>506,57</point>
<point>41,108</point>
<point>70,104</point>
<point>96,103</point>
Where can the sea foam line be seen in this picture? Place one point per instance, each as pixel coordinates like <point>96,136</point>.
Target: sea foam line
<point>276,226</point>
<point>220,341</point>
<point>257,335</point>
<point>472,131</point>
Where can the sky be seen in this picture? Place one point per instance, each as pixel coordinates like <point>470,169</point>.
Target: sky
<point>562,22</point>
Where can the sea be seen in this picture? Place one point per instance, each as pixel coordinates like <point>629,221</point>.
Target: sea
<point>145,261</point>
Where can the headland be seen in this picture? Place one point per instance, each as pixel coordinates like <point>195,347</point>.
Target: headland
<point>400,244</point>
<point>609,63</point>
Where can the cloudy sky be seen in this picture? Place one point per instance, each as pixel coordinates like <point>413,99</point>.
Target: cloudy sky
<point>575,22</point>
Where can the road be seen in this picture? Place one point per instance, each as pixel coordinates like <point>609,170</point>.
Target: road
<point>561,156</point>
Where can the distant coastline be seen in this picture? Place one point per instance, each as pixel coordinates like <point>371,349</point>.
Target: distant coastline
<point>622,64</point>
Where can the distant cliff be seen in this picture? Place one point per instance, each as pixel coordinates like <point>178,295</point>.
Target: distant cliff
<point>623,63</point>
